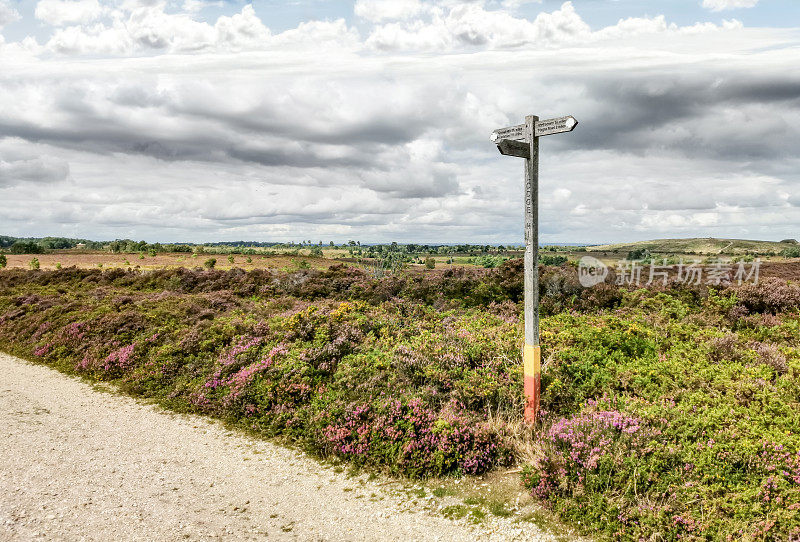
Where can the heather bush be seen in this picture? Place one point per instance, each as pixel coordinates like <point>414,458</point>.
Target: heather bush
<point>414,439</point>
<point>771,295</point>
<point>280,367</point>
<point>598,452</point>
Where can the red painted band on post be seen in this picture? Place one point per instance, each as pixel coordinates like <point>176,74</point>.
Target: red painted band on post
<point>530,397</point>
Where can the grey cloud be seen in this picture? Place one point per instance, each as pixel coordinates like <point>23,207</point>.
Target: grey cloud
<point>105,139</point>
<point>765,90</point>
<point>301,158</point>
<point>110,120</point>
<point>689,113</point>
<point>137,96</point>
<point>35,170</point>
<point>381,121</point>
<point>414,182</point>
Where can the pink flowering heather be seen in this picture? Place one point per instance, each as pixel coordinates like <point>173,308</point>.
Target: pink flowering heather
<point>119,359</point>
<point>84,364</point>
<point>74,331</point>
<point>42,350</point>
<point>228,358</point>
<point>580,444</point>
<point>241,378</point>
<point>416,439</point>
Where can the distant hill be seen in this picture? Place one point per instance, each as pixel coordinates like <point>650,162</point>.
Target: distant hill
<point>699,245</point>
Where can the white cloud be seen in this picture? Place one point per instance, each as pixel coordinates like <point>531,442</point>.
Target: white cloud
<point>384,10</point>
<point>145,26</point>
<point>516,4</point>
<point>147,29</point>
<point>719,5</point>
<point>330,36</point>
<point>62,12</point>
<point>193,6</point>
<point>472,25</point>
<point>150,28</point>
<point>7,14</point>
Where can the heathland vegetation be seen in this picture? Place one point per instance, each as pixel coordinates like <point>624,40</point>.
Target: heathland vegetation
<point>669,412</point>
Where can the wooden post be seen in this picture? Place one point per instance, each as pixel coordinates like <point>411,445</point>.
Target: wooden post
<point>532,352</point>
<point>522,141</point>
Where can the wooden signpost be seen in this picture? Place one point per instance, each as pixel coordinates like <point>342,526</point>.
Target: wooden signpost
<point>522,141</point>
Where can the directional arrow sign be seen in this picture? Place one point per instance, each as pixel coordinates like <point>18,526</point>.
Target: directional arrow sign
<point>515,133</point>
<point>541,128</point>
<point>554,126</point>
<point>510,147</point>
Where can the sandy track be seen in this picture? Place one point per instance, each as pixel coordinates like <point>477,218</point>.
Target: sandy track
<point>80,464</point>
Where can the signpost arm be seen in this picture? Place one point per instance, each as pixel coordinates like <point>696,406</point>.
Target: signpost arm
<point>532,351</point>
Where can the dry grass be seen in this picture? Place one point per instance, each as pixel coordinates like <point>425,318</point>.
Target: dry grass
<point>88,260</point>
<point>522,436</point>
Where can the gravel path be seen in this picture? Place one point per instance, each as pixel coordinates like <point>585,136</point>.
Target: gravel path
<point>82,464</point>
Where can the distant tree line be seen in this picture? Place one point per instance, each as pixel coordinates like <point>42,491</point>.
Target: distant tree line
<point>260,244</point>
<point>38,245</point>
<point>392,254</point>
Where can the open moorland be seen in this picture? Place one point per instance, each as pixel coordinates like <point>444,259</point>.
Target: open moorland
<point>161,260</point>
<point>670,412</point>
<point>376,259</point>
<point>702,245</point>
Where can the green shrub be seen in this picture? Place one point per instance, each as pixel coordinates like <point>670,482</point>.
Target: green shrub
<point>430,263</point>
<point>640,254</point>
<point>210,263</point>
<point>26,247</point>
<point>3,261</point>
<point>547,259</point>
<point>487,261</point>
<point>34,263</point>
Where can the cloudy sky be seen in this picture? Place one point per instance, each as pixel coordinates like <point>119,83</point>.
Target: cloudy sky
<point>196,120</point>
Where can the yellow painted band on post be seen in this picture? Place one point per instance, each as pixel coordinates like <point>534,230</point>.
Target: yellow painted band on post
<point>532,360</point>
